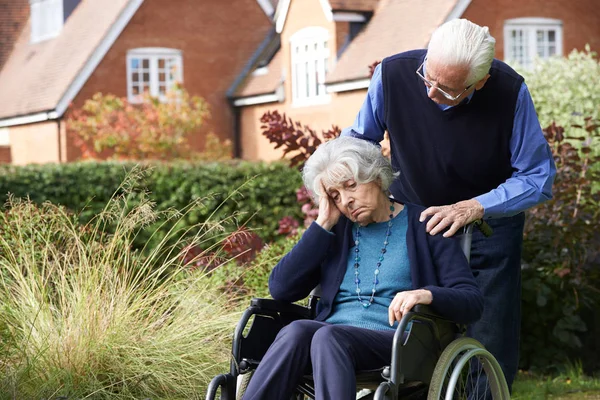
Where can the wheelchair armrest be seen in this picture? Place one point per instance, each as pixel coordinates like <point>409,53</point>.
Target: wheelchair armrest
<point>427,311</point>
<point>280,306</point>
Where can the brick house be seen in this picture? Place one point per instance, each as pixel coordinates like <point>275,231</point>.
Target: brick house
<point>54,53</point>
<point>306,58</point>
<point>320,73</point>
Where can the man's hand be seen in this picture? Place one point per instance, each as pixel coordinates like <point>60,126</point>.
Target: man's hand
<point>403,302</point>
<point>329,214</point>
<point>454,216</point>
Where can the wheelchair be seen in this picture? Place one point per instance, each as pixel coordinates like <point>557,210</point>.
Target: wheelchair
<point>431,357</point>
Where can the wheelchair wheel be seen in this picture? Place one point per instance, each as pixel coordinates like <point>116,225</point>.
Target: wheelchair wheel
<point>466,370</point>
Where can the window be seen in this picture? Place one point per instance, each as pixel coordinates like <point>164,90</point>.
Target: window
<point>154,71</point>
<point>528,38</point>
<point>310,57</point>
<point>47,19</point>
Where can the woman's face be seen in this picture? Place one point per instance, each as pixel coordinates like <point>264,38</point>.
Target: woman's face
<point>362,203</point>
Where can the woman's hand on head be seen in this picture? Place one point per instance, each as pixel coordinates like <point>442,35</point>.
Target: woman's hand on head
<point>403,302</point>
<point>329,214</point>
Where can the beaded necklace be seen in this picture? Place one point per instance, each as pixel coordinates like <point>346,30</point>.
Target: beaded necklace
<point>367,303</point>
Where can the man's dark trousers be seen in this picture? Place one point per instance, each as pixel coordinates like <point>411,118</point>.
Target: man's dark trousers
<point>496,265</point>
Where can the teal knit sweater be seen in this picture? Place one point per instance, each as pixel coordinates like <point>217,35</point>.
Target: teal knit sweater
<point>394,276</point>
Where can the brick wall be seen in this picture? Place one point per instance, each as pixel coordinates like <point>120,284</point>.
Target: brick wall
<point>216,39</point>
<point>5,155</point>
<point>581,19</point>
<point>13,16</point>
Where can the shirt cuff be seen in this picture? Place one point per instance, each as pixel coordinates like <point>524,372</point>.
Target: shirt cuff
<point>492,206</point>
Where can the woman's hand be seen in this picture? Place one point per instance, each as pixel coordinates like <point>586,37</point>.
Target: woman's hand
<point>404,301</point>
<point>329,214</point>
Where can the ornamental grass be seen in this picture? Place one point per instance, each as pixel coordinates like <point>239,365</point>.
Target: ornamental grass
<point>84,316</point>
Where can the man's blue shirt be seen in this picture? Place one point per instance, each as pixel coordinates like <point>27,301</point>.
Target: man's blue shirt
<point>531,158</point>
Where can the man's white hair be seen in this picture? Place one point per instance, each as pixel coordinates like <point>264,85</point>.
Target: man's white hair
<point>461,42</point>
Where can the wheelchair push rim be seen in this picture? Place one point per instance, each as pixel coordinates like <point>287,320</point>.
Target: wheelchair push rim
<point>460,369</point>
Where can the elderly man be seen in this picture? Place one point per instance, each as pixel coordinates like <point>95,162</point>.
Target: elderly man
<point>466,139</point>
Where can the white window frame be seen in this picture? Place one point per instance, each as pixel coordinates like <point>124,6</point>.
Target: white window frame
<point>47,19</point>
<point>4,137</point>
<point>529,28</point>
<point>173,61</point>
<point>310,59</point>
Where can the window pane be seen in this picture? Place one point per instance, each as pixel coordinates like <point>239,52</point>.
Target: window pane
<point>146,77</point>
<point>162,77</point>
<point>552,36</point>
<point>540,36</point>
<point>161,63</point>
<point>135,63</point>
<point>317,80</point>
<point>145,63</point>
<point>135,90</point>
<point>307,79</point>
<point>135,77</point>
<point>162,90</point>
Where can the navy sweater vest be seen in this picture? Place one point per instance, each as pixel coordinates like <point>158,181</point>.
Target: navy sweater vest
<point>447,156</point>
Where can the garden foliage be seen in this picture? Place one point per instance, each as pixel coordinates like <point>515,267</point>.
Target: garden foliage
<point>565,89</point>
<point>107,125</point>
<point>258,194</point>
<point>84,315</point>
<point>561,257</point>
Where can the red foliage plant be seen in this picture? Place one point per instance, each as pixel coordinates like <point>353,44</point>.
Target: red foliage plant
<point>295,139</point>
<point>241,245</point>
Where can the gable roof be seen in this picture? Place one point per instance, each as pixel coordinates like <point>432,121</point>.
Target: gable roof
<point>396,26</point>
<point>40,80</point>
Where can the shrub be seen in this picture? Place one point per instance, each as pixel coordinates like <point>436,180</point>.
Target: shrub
<point>565,89</point>
<point>251,279</point>
<point>561,256</point>
<point>107,125</point>
<point>84,315</point>
<point>257,193</point>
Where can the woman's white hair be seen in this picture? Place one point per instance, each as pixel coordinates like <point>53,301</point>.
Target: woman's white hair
<point>461,42</point>
<point>345,158</point>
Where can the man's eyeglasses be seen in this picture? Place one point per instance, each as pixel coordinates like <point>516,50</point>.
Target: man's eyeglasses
<point>431,84</point>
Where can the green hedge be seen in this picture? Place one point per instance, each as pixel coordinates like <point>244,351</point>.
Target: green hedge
<point>260,193</point>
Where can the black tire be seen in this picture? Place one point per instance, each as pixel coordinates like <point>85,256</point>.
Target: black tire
<point>243,384</point>
<point>454,371</point>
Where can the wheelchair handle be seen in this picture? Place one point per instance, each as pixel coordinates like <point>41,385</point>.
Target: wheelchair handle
<point>484,227</point>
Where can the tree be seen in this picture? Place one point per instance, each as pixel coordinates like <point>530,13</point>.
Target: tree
<point>109,126</point>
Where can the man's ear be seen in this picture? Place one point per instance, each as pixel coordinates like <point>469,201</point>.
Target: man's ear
<point>482,82</point>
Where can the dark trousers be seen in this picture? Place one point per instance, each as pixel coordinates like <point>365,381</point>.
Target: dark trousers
<point>496,265</point>
<point>332,352</point>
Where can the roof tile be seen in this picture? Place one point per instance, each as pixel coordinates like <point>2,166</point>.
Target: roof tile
<point>36,76</point>
<point>396,26</point>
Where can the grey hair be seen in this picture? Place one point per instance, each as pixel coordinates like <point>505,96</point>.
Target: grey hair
<point>344,158</point>
<point>461,42</point>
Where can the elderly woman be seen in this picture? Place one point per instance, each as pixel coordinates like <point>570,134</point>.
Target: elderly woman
<point>374,262</point>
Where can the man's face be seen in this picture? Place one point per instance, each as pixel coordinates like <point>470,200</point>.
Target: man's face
<point>451,79</point>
